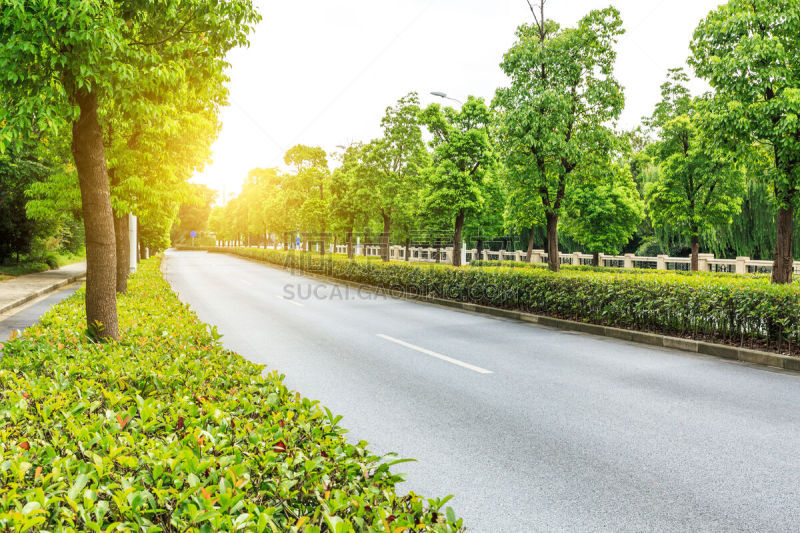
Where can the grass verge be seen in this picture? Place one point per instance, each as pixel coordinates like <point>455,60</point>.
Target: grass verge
<point>166,430</point>
<point>33,265</point>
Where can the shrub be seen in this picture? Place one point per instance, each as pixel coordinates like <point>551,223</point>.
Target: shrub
<point>743,310</point>
<point>167,431</point>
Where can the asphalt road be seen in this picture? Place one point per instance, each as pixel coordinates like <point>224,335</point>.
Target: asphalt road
<point>28,315</point>
<point>532,429</point>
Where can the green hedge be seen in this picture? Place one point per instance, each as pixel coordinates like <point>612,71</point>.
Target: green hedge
<point>741,310</point>
<point>167,431</point>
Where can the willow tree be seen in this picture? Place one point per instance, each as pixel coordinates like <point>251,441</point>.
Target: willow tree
<point>67,62</point>
<point>748,50</point>
<point>558,108</point>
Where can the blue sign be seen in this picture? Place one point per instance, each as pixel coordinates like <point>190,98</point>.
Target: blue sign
<point>193,234</point>
<point>298,242</point>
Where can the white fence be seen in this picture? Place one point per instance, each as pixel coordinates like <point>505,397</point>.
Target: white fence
<point>706,262</point>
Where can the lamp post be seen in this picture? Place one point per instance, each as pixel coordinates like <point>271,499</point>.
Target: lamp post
<point>440,94</point>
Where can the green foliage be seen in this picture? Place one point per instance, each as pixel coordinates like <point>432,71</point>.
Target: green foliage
<point>699,186</point>
<point>396,161</point>
<point>604,211</point>
<point>748,51</point>
<point>462,155</point>
<point>168,431</point>
<point>742,310</point>
<point>193,215</point>
<point>556,111</point>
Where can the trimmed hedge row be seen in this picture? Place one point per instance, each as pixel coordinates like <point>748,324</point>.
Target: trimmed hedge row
<point>612,270</point>
<point>167,431</point>
<point>746,311</point>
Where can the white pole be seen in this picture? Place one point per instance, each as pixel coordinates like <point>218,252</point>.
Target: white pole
<point>132,239</point>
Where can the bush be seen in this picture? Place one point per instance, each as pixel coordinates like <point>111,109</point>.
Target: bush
<point>167,431</point>
<point>742,310</point>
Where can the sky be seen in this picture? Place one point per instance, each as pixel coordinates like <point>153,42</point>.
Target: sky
<point>322,73</point>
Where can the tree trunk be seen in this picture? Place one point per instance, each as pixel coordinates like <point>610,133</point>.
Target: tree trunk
<point>350,251</point>
<point>552,242</point>
<point>364,245</point>
<point>98,219</point>
<point>596,259</point>
<point>694,265</point>
<point>457,238</point>
<point>387,226</point>
<point>529,253</point>
<point>322,242</point>
<point>479,250</point>
<point>784,256</point>
<point>408,249</point>
<point>123,252</point>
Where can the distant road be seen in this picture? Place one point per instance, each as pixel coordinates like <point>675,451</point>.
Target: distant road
<point>532,429</point>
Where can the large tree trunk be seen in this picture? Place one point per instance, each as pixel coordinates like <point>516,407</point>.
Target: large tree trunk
<point>98,219</point>
<point>408,249</point>
<point>457,238</point>
<point>322,242</point>
<point>552,242</point>
<point>695,261</point>
<point>784,256</point>
<point>387,226</point>
<point>596,259</point>
<point>123,252</point>
<point>529,252</point>
<point>479,250</point>
<point>364,245</point>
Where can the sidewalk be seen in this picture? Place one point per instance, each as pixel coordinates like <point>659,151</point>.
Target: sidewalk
<point>18,291</point>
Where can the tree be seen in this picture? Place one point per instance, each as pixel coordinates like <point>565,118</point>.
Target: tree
<point>309,182</point>
<point>193,215</point>
<point>699,187</point>
<point>604,210</point>
<point>462,156</point>
<point>67,62</point>
<point>748,50</point>
<point>349,198</point>
<point>397,159</point>
<point>557,109</point>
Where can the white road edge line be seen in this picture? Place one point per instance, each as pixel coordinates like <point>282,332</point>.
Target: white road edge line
<point>298,304</point>
<point>436,355</point>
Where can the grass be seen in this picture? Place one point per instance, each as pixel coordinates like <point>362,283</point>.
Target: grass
<point>29,265</point>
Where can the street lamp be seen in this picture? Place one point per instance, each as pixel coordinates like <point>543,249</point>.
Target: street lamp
<point>440,94</point>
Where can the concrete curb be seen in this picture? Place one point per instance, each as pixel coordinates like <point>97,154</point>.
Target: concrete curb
<point>41,292</point>
<point>653,339</point>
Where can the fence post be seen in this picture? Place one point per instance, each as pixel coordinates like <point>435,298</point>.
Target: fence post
<point>702,262</point>
<point>741,264</point>
<point>628,261</point>
<point>576,258</point>
<point>661,262</point>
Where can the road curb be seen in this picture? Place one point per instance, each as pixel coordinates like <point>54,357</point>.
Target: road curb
<point>41,292</point>
<point>722,351</point>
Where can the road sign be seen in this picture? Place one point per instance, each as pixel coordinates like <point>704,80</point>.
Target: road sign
<point>193,234</point>
<point>297,242</point>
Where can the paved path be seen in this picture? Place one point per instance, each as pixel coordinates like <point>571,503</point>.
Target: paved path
<point>567,433</point>
<point>18,291</point>
<point>28,314</point>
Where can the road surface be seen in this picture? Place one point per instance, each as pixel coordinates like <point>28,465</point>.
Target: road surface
<point>532,429</point>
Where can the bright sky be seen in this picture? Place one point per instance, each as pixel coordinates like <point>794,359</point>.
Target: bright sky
<point>322,73</point>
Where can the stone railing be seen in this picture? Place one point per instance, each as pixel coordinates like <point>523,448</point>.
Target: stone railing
<point>706,262</point>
